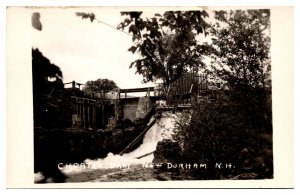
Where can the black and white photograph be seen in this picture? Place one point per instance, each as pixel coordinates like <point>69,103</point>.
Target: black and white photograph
<point>146,94</point>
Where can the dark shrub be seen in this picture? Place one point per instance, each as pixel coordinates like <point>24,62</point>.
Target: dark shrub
<point>220,132</point>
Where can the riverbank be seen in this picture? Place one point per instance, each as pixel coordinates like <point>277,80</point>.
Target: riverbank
<point>134,173</point>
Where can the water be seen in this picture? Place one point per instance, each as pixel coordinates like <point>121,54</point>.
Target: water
<point>162,129</point>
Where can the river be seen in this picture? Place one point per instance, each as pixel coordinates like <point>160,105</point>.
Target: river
<point>128,167</point>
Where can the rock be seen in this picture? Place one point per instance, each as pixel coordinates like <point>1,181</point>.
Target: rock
<point>245,176</point>
<point>167,154</point>
<point>144,107</point>
<point>167,151</point>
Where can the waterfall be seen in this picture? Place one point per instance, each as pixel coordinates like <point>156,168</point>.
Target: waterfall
<point>162,129</point>
<point>155,134</point>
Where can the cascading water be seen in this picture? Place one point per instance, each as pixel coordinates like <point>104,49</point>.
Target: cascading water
<point>162,129</point>
<point>155,134</point>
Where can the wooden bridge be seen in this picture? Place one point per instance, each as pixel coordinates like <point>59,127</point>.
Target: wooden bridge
<point>179,93</point>
<point>188,84</point>
<point>135,90</point>
<point>94,112</point>
<point>181,89</point>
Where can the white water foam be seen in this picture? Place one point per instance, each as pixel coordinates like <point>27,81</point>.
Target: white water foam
<point>162,129</point>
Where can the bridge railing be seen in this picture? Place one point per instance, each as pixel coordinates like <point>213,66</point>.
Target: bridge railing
<point>188,84</point>
<point>135,90</point>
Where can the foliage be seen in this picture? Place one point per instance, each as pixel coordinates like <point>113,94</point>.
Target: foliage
<point>83,15</point>
<point>226,130</point>
<point>99,85</point>
<point>167,44</point>
<point>217,132</point>
<point>51,102</point>
<point>241,57</point>
<point>241,42</point>
<point>46,80</point>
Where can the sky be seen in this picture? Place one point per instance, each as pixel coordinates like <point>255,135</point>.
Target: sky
<point>87,50</point>
<point>84,50</point>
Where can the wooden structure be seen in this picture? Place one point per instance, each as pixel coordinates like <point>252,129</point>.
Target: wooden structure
<point>179,93</point>
<point>135,90</point>
<point>95,112</point>
<point>91,113</point>
<point>188,84</point>
<point>74,84</point>
<point>139,137</point>
<point>85,116</point>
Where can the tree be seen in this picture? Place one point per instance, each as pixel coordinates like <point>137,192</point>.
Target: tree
<point>52,107</point>
<point>215,132</point>
<point>167,43</point>
<point>227,128</point>
<point>241,40</point>
<point>46,80</point>
<point>99,85</point>
<point>241,57</point>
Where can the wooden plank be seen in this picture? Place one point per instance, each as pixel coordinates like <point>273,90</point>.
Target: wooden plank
<point>168,91</point>
<point>83,114</point>
<point>148,92</point>
<point>138,137</point>
<point>191,89</point>
<point>93,117</point>
<point>134,90</point>
<point>83,103</point>
<point>81,98</point>
<point>103,114</point>
<point>147,154</point>
<point>88,115</point>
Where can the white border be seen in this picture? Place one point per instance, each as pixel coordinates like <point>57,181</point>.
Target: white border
<point>129,3</point>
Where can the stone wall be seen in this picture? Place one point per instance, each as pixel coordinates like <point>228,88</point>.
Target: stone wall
<point>143,108</point>
<point>129,110</point>
<point>136,108</point>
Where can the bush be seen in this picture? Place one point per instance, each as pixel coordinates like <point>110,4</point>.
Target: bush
<point>219,132</point>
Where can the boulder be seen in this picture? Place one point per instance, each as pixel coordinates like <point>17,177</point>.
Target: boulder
<point>167,151</point>
<point>144,107</point>
<point>245,176</point>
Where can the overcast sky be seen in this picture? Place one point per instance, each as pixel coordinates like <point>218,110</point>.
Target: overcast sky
<point>84,50</point>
